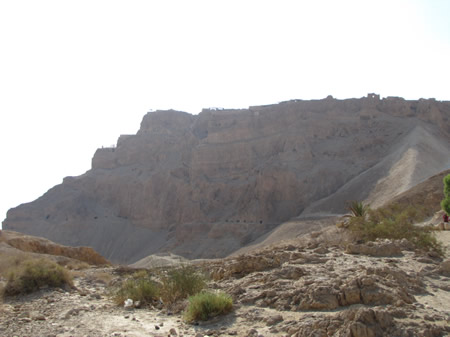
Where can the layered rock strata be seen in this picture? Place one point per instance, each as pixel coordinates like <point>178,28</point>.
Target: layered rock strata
<point>205,185</point>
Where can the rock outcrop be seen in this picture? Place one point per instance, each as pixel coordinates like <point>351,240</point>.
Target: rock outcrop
<point>36,245</point>
<point>379,248</point>
<point>298,288</point>
<point>206,185</point>
<point>302,290</point>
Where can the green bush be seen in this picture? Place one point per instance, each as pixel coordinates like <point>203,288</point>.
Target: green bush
<point>31,275</point>
<point>138,288</point>
<point>181,282</point>
<point>445,203</point>
<point>395,222</point>
<point>173,285</point>
<point>207,305</point>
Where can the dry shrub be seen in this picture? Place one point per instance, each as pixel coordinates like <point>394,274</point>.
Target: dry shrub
<point>32,274</point>
<point>77,273</point>
<point>125,270</point>
<point>101,277</point>
<point>74,264</point>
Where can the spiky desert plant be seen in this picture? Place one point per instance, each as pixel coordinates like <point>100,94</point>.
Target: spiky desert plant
<point>357,209</point>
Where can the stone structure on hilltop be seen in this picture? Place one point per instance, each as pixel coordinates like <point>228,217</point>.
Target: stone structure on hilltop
<point>205,185</point>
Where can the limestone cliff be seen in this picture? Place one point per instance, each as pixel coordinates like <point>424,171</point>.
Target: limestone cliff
<point>205,185</point>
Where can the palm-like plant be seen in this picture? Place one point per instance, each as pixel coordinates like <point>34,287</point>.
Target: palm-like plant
<point>357,209</point>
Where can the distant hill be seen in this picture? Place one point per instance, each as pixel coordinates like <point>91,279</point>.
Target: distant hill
<point>203,186</point>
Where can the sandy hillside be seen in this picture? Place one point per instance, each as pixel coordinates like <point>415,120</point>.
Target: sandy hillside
<point>413,160</point>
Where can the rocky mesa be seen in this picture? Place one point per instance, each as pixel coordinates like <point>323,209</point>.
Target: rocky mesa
<point>206,185</point>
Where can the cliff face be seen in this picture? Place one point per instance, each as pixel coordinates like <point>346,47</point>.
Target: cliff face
<point>203,186</point>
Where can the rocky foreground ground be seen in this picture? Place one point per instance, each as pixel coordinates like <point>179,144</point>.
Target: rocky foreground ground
<point>311,287</point>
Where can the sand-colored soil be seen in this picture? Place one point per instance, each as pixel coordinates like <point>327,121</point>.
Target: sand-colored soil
<point>408,291</point>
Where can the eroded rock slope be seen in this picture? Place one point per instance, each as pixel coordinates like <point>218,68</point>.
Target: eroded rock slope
<point>206,185</point>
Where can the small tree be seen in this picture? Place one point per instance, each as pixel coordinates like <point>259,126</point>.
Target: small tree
<point>446,202</point>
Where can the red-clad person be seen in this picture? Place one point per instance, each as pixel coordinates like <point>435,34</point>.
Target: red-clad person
<point>445,217</point>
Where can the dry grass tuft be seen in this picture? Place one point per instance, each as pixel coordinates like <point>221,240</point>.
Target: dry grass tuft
<point>204,306</point>
<point>33,274</point>
<point>170,285</point>
<point>101,277</point>
<point>181,282</point>
<point>74,264</point>
<point>8,262</point>
<point>140,287</point>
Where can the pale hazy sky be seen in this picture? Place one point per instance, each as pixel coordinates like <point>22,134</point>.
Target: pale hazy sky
<point>74,75</point>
